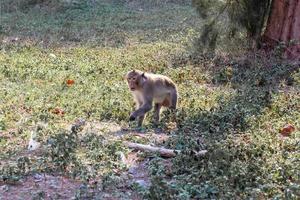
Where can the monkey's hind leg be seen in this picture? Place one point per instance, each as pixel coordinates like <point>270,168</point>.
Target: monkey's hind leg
<point>140,120</point>
<point>173,106</point>
<point>174,98</point>
<point>157,108</point>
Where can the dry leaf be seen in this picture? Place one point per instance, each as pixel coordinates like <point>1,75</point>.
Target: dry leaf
<point>70,82</point>
<point>287,130</point>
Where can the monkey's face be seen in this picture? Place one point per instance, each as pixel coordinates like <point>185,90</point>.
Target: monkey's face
<point>133,81</point>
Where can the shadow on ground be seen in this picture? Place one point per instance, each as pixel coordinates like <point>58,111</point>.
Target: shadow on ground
<point>239,146</point>
<point>254,83</point>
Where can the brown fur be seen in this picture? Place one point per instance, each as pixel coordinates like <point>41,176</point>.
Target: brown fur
<point>147,88</point>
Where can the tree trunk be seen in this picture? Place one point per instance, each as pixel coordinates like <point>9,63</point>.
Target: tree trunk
<point>284,26</point>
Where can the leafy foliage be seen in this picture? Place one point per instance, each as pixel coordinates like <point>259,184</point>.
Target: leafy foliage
<point>62,150</point>
<point>231,20</point>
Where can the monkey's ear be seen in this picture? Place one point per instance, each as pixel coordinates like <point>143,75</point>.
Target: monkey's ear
<point>142,78</point>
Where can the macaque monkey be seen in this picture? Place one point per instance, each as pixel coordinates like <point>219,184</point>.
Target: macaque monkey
<point>147,88</point>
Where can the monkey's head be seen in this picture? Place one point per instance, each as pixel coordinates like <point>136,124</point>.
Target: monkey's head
<point>135,79</point>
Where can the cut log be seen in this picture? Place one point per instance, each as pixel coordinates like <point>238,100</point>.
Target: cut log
<point>168,153</point>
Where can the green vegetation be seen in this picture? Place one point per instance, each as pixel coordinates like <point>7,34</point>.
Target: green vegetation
<point>232,106</point>
<point>232,20</point>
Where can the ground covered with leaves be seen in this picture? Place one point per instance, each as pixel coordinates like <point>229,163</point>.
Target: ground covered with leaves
<point>61,79</point>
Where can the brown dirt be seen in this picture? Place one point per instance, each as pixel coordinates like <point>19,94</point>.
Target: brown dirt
<point>46,186</point>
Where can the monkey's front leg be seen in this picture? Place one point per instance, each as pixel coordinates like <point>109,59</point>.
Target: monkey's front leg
<point>140,112</point>
<point>141,118</point>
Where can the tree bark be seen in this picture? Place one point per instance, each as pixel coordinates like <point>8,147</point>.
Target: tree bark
<point>284,26</point>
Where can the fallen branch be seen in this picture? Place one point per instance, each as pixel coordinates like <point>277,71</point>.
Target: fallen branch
<point>168,153</point>
<point>162,151</point>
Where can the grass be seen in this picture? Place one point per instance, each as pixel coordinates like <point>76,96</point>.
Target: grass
<point>100,23</point>
<point>231,106</point>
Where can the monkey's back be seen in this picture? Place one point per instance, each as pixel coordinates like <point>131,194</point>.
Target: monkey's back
<point>161,80</point>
